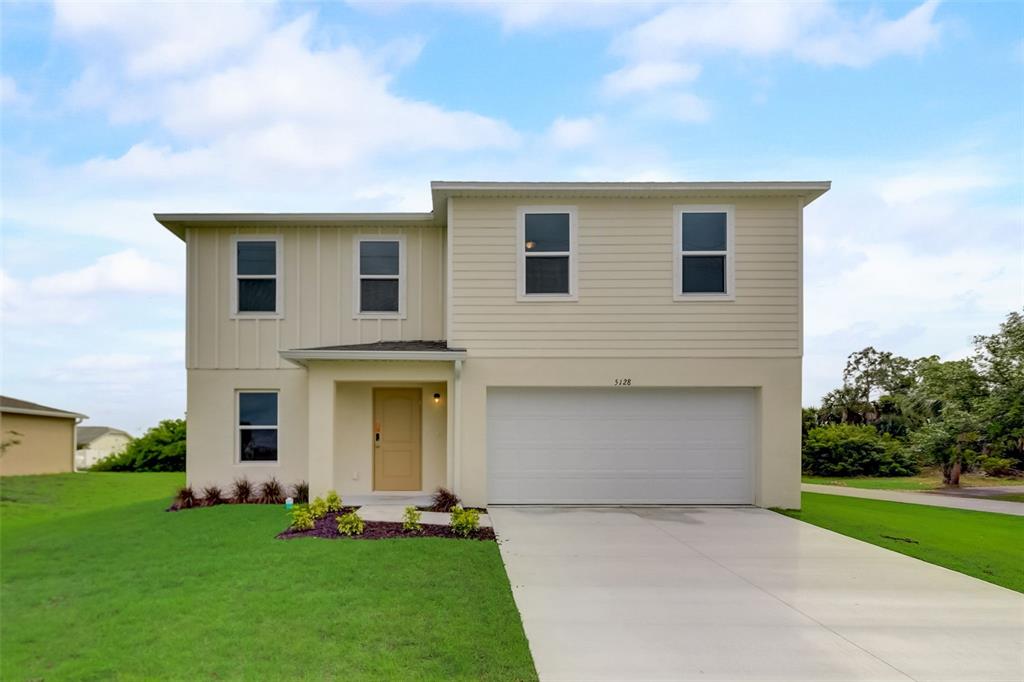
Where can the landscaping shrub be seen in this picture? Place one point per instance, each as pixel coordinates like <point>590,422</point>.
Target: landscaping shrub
<point>300,492</point>
<point>184,499</point>
<point>302,519</point>
<point>241,491</point>
<point>999,466</point>
<point>271,492</point>
<point>465,521</point>
<point>162,448</point>
<point>444,501</point>
<point>411,519</point>
<point>212,495</point>
<point>333,501</point>
<point>318,508</point>
<point>855,450</point>
<point>351,524</point>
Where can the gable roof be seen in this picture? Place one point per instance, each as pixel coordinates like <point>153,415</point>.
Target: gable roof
<point>443,190</point>
<point>16,406</point>
<point>87,434</point>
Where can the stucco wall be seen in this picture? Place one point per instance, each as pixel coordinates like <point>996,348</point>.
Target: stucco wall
<point>46,447</point>
<point>101,448</point>
<point>777,453</point>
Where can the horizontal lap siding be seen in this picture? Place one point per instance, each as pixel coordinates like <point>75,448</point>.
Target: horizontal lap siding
<point>625,305</point>
<point>317,280</point>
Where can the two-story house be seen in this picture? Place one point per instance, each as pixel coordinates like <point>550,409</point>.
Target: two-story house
<point>612,343</point>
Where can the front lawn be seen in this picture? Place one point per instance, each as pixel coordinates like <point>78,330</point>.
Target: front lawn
<point>98,582</point>
<point>980,544</point>
<point>928,480</point>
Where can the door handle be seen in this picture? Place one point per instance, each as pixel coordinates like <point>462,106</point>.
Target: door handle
<point>376,440</point>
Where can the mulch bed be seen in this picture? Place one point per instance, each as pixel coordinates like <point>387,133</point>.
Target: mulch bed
<point>327,527</point>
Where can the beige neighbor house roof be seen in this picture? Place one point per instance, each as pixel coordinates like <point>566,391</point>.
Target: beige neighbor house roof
<point>16,406</point>
<point>87,434</point>
<point>443,190</point>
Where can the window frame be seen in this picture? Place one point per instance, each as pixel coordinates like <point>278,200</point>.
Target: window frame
<point>239,427</point>
<point>730,252</point>
<point>278,312</point>
<point>521,255</point>
<point>358,277</point>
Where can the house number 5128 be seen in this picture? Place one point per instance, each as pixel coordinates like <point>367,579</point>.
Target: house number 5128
<point>624,382</point>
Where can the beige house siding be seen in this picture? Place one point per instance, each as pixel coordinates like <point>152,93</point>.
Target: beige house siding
<point>626,284</point>
<point>317,281</point>
<point>47,444</point>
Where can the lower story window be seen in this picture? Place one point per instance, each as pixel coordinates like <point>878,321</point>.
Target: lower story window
<point>257,426</point>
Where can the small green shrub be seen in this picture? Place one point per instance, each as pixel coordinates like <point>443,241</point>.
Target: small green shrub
<point>241,491</point>
<point>300,492</point>
<point>444,501</point>
<point>351,524</point>
<point>411,520</point>
<point>465,521</point>
<point>855,450</point>
<point>998,466</point>
<point>302,519</point>
<point>318,508</point>
<point>333,501</point>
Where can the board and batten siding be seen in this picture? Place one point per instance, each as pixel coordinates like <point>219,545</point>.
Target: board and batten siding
<point>317,278</point>
<point>625,306</point>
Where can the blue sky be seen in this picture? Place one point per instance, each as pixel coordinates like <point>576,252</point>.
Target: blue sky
<point>111,112</point>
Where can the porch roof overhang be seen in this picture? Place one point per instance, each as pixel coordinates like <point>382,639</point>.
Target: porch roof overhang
<point>381,350</point>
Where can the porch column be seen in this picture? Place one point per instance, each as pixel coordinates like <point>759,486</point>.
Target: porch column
<point>321,430</point>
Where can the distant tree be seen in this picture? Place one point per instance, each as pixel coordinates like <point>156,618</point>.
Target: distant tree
<point>952,443</point>
<point>871,373</point>
<point>1000,362</point>
<point>162,448</point>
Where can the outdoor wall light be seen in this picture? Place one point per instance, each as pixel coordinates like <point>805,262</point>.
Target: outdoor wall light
<point>437,398</point>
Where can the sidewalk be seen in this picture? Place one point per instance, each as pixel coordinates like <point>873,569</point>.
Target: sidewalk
<point>928,499</point>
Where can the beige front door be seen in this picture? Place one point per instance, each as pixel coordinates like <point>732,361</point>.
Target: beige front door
<point>397,461</point>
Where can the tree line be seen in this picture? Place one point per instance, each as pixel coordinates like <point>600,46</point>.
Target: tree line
<point>893,415</point>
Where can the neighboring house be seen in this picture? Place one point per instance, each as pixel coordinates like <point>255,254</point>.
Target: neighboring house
<point>37,439</point>
<point>520,343</point>
<point>99,442</point>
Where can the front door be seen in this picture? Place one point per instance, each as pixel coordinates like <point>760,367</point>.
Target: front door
<point>397,463</point>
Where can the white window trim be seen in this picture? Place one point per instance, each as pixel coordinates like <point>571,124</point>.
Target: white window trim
<point>357,276</point>
<point>239,428</point>
<point>572,253</point>
<point>278,313</point>
<point>730,252</point>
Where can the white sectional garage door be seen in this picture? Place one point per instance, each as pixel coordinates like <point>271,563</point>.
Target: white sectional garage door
<point>620,446</point>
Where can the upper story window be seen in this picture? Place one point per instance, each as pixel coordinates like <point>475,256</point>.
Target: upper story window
<point>257,426</point>
<point>257,289</point>
<point>704,253</point>
<point>380,277</point>
<point>547,253</point>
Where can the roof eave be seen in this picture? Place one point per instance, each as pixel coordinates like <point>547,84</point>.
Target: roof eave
<point>300,357</point>
<point>43,413</point>
<point>178,222</point>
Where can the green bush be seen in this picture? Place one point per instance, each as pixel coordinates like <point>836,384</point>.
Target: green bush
<point>854,450</point>
<point>411,519</point>
<point>302,519</point>
<point>465,521</point>
<point>333,501</point>
<point>162,448</point>
<point>318,508</point>
<point>999,466</point>
<point>351,524</point>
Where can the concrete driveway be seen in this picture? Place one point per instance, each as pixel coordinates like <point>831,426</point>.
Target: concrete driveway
<point>743,594</point>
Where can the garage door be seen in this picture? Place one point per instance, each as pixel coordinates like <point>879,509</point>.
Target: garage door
<point>620,446</point>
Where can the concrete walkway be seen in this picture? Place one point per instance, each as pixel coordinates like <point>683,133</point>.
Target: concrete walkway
<point>929,499</point>
<point>686,593</point>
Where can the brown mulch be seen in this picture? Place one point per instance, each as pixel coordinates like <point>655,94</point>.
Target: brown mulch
<point>327,527</point>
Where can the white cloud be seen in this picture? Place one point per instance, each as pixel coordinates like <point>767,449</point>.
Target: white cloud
<point>917,185</point>
<point>816,32</point>
<point>9,92</point>
<point>683,107</point>
<point>647,76</point>
<point>164,38</point>
<point>124,272</point>
<point>570,133</point>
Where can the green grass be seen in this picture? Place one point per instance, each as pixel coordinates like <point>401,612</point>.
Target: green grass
<point>930,480</point>
<point>980,544</point>
<point>1007,497</point>
<point>100,583</point>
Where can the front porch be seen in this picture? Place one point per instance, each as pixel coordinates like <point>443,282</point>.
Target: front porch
<point>379,419</point>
